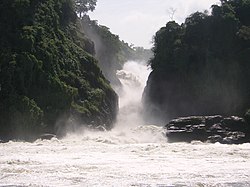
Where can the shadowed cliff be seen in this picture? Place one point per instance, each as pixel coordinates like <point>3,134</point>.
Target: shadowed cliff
<point>201,67</point>
<point>110,51</point>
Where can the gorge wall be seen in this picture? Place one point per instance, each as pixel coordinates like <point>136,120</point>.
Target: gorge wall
<point>202,66</point>
<point>111,52</point>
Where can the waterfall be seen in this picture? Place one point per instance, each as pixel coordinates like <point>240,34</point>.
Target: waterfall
<point>131,154</point>
<point>133,77</point>
<point>130,127</point>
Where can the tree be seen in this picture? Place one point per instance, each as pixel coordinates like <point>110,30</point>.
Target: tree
<point>202,66</point>
<point>83,6</point>
<point>172,12</point>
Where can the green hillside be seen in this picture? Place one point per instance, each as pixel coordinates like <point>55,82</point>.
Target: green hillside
<point>46,72</point>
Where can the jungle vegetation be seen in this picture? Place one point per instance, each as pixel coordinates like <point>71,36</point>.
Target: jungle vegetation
<point>110,51</point>
<point>202,67</point>
<point>47,72</point>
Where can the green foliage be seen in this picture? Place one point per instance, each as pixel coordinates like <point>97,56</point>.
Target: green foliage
<point>45,72</point>
<point>202,66</point>
<point>110,51</point>
<point>26,116</point>
<point>167,41</point>
<point>83,6</point>
<point>244,33</point>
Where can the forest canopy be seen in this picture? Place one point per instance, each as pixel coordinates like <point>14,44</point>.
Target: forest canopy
<point>203,65</point>
<point>47,74</point>
<point>83,6</point>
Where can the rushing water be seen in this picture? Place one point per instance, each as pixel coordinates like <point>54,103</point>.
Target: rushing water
<point>132,154</point>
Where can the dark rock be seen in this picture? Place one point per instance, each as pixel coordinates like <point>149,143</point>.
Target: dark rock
<point>235,137</point>
<point>247,116</point>
<point>231,130</point>
<point>216,128</point>
<point>180,136</point>
<point>187,129</point>
<point>47,136</point>
<point>215,138</point>
<point>211,120</point>
<point>234,123</point>
<point>192,120</point>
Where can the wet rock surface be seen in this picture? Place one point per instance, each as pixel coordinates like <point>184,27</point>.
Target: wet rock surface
<point>47,136</point>
<point>229,130</point>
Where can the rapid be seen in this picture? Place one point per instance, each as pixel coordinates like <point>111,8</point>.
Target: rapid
<point>132,154</point>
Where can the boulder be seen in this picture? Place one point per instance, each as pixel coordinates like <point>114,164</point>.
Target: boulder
<point>211,120</point>
<point>230,130</point>
<point>215,138</point>
<point>47,136</point>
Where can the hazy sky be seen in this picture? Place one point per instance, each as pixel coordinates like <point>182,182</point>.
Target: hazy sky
<point>136,21</point>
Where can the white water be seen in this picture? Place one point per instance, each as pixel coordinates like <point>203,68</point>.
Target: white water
<point>132,154</point>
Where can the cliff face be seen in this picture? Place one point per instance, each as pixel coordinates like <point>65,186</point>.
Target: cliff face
<point>45,72</point>
<point>201,67</point>
<point>110,51</point>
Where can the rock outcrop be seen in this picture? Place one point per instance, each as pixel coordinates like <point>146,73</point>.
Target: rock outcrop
<point>47,136</point>
<point>110,51</point>
<point>229,130</point>
<point>197,69</point>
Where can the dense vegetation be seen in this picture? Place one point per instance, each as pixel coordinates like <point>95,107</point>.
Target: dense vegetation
<point>202,67</point>
<point>110,51</point>
<point>46,75</point>
<point>83,6</point>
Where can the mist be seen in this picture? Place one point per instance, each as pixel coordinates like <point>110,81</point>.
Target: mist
<point>133,77</point>
<point>130,126</point>
<point>105,49</point>
<point>127,78</point>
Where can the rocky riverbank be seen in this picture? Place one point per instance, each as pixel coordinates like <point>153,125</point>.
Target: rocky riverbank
<point>226,130</point>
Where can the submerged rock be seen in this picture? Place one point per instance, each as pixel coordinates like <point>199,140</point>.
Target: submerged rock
<point>230,130</point>
<point>47,136</point>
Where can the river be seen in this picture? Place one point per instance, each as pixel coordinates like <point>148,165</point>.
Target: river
<point>132,154</point>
